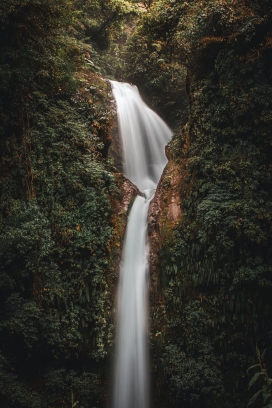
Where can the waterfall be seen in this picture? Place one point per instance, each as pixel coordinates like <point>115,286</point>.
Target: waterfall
<point>143,136</point>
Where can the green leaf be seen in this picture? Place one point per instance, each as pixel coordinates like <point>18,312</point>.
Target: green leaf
<point>253,399</point>
<point>266,395</point>
<point>256,365</point>
<point>254,378</point>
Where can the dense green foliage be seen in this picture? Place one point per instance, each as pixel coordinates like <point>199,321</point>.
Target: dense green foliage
<point>100,21</point>
<point>99,28</point>
<point>216,275</point>
<point>56,215</point>
<point>212,303</point>
<point>155,67</point>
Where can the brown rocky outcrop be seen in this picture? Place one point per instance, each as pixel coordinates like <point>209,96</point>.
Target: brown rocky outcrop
<point>121,204</point>
<point>165,212</point>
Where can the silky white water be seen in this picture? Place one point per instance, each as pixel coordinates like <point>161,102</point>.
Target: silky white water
<point>143,136</point>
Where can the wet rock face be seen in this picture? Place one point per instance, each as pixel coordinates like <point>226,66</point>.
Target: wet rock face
<point>130,191</point>
<point>164,211</point>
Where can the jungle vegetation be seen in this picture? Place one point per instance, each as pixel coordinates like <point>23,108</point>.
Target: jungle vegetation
<point>205,66</point>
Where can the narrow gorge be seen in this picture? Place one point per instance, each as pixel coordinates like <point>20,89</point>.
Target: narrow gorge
<point>134,275</point>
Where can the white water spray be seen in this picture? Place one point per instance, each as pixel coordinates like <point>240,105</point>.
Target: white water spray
<point>143,135</point>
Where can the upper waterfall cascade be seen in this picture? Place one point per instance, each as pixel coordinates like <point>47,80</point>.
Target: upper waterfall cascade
<point>143,136</point>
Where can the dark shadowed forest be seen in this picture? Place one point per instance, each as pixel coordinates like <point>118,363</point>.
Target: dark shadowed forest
<point>206,68</point>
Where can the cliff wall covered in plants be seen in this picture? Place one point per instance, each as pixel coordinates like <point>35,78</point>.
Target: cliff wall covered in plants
<point>63,205</point>
<point>210,221</point>
<point>205,66</point>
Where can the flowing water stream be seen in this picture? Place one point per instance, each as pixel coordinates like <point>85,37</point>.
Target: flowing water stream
<point>143,136</point>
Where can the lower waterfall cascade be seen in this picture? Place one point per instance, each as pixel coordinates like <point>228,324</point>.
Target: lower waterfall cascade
<point>143,136</point>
